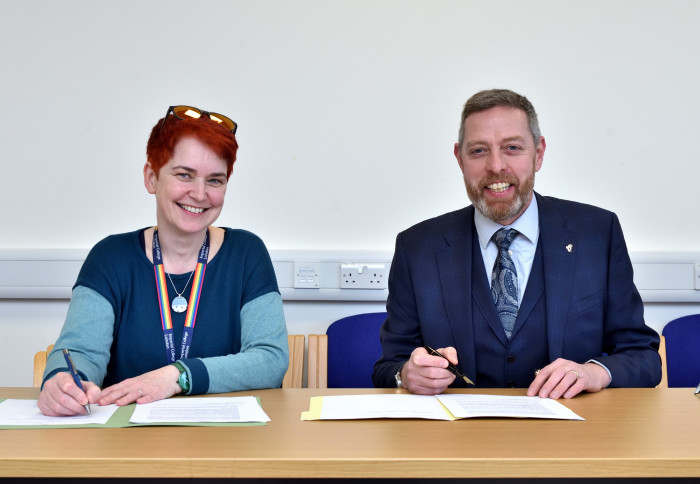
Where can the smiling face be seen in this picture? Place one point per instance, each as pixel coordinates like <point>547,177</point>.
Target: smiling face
<point>498,159</point>
<point>189,188</point>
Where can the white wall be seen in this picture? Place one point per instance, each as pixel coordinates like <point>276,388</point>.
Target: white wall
<point>348,111</point>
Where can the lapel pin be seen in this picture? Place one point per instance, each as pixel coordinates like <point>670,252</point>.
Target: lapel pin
<point>570,247</point>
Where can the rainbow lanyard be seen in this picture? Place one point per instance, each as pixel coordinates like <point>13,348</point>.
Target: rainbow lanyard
<point>164,301</point>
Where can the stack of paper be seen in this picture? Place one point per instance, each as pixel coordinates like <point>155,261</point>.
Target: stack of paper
<point>440,407</point>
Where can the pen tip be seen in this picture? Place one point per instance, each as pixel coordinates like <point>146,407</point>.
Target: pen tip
<point>466,379</point>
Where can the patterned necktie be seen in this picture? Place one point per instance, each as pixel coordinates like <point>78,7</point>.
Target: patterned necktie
<point>504,281</point>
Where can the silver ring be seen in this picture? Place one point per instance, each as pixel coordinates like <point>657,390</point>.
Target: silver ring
<point>537,372</point>
<point>140,393</point>
<point>575,373</point>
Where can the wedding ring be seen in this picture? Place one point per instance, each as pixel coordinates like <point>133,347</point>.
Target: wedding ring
<point>575,373</point>
<point>537,372</point>
<point>140,393</point>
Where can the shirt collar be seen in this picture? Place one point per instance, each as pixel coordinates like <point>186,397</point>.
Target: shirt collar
<point>528,224</point>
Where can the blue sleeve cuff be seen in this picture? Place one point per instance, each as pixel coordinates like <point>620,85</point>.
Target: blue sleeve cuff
<point>197,374</point>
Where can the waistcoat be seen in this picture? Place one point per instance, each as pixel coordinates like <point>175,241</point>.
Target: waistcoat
<point>501,363</point>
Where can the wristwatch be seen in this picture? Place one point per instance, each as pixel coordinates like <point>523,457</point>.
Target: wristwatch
<point>182,380</point>
<point>397,377</point>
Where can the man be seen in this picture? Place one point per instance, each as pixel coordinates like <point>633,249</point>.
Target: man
<point>562,314</point>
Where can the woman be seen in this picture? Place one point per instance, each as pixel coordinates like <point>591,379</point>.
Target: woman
<point>131,320</point>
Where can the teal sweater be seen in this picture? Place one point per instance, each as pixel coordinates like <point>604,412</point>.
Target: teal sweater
<point>113,327</point>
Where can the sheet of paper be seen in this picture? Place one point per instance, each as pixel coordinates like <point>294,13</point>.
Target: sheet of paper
<point>25,412</point>
<point>468,406</point>
<point>382,406</point>
<point>208,409</point>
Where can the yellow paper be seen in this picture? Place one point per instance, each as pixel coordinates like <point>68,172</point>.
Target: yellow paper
<point>314,412</point>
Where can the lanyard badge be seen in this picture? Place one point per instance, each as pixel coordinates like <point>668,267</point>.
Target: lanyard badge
<point>163,300</point>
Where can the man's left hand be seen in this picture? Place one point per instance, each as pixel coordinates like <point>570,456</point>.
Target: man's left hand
<point>564,378</point>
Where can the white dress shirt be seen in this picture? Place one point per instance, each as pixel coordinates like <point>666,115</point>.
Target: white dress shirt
<point>523,248</point>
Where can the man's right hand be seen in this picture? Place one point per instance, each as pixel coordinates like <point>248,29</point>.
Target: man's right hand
<point>425,374</point>
<point>61,397</point>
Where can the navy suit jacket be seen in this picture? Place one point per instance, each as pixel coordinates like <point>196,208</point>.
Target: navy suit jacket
<point>592,305</point>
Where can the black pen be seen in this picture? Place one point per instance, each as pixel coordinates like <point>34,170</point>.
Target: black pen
<point>76,377</point>
<point>453,369</point>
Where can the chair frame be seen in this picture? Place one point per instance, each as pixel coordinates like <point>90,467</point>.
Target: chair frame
<point>317,376</point>
<point>295,373</point>
<point>664,369</point>
<point>40,365</point>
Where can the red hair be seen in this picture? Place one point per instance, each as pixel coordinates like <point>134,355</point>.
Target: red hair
<point>162,142</point>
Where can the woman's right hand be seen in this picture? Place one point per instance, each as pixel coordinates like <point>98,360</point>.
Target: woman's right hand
<point>61,397</point>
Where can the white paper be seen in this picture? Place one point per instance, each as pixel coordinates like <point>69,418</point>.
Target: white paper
<point>208,409</point>
<point>467,406</point>
<point>25,412</point>
<point>382,406</point>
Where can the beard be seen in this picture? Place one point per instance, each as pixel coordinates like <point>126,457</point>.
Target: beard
<point>503,211</point>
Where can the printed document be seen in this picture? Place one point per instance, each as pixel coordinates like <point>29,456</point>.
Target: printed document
<point>208,409</point>
<point>472,405</point>
<point>382,406</point>
<point>25,413</point>
<point>440,407</point>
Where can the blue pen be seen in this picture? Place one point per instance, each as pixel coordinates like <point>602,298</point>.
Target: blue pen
<point>76,378</point>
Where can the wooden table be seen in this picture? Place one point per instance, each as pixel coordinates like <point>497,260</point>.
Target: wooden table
<point>627,433</point>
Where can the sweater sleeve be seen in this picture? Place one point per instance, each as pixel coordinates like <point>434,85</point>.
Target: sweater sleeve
<point>262,361</point>
<point>87,333</point>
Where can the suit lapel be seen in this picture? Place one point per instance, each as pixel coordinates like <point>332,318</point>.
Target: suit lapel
<point>559,258</point>
<point>533,291</point>
<point>455,266</point>
<point>482,298</point>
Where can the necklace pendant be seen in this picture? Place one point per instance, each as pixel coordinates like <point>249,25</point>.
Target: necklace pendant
<point>179,304</point>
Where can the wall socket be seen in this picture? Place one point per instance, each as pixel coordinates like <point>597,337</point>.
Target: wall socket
<point>307,275</point>
<point>363,276</point>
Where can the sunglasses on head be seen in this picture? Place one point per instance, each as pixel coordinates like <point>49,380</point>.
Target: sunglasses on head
<point>184,112</point>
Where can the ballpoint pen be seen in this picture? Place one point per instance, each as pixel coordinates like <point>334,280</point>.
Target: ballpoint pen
<point>76,377</point>
<point>453,369</point>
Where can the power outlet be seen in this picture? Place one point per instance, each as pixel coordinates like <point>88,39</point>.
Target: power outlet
<point>363,276</point>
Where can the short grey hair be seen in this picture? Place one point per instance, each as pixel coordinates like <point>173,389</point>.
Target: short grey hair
<point>491,98</point>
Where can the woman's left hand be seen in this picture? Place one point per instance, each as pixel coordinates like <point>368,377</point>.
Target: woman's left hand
<point>149,387</point>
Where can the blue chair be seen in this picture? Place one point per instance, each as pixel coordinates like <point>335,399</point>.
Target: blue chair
<point>683,351</point>
<point>353,348</point>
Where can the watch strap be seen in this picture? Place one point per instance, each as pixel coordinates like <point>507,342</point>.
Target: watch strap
<point>183,380</point>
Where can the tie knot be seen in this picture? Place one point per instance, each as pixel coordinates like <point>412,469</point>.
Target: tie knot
<point>504,237</point>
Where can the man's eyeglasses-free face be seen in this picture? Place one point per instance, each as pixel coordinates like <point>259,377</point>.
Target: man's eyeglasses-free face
<point>184,112</point>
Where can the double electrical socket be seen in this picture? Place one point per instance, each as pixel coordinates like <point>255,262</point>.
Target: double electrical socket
<point>363,276</point>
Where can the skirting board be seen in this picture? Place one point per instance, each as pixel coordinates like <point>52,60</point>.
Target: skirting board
<point>665,277</point>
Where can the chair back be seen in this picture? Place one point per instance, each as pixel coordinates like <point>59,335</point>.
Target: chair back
<point>40,365</point>
<point>295,372</point>
<point>682,337</point>
<point>317,376</point>
<point>353,348</point>
<point>664,369</point>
